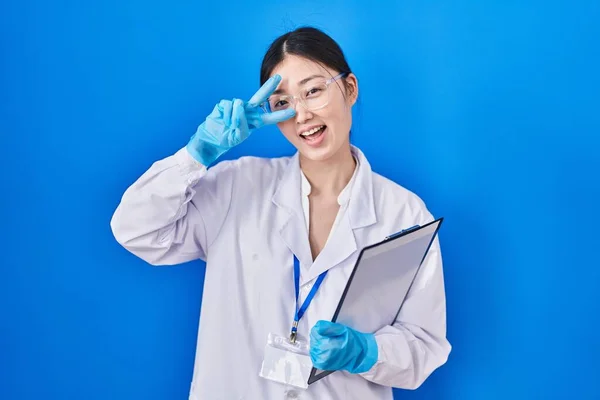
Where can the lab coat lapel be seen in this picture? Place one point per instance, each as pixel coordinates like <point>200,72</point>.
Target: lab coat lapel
<point>290,217</point>
<point>347,236</point>
<point>341,245</point>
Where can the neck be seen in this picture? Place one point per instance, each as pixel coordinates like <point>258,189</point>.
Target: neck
<point>329,177</point>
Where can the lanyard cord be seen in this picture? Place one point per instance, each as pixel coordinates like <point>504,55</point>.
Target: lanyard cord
<point>300,311</point>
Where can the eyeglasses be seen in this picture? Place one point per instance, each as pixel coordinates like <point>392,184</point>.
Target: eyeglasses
<point>313,97</point>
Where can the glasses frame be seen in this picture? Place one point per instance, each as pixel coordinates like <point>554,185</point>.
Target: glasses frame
<point>297,99</point>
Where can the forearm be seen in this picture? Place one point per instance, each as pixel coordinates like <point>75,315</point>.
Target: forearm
<point>407,355</point>
<point>155,212</point>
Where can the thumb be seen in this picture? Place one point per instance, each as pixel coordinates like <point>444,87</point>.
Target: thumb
<point>328,328</point>
<point>278,116</point>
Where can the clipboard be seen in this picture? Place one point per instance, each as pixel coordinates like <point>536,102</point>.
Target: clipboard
<point>381,279</point>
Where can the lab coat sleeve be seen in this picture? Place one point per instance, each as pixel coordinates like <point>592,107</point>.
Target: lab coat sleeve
<point>173,212</point>
<point>415,345</point>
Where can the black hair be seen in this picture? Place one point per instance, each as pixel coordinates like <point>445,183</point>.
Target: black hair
<point>307,42</point>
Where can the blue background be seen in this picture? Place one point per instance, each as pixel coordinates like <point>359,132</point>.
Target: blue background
<point>488,110</point>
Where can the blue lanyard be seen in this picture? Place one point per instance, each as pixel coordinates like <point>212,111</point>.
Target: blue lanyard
<point>300,311</point>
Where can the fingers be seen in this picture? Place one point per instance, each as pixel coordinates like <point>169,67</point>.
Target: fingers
<point>278,116</point>
<point>237,113</point>
<point>247,116</point>
<point>226,108</point>
<point>238,120</point>
<point>265,91</point>
<point>321,347</point>
<point>329,329</point>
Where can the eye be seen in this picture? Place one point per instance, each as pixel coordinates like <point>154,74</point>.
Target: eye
<point>278,103</point>
<point>314,91</point>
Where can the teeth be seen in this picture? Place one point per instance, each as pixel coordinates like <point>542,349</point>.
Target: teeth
<point>312,131</point>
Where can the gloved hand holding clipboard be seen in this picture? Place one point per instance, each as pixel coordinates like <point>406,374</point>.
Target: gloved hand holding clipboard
<point>380,281</point>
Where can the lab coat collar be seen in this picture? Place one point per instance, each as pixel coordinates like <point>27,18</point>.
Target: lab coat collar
<point>361,204</point>
<point>359,213</point>
<point>290,218</point>
<point>344,195</point>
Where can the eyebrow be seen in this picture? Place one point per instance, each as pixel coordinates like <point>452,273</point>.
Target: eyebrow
<point>302,82</point>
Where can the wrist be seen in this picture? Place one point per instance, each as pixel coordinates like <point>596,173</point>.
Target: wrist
<point>370,355</point>
<point>203,152</point>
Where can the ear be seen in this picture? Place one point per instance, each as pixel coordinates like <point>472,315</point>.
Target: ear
<point>351,88</point>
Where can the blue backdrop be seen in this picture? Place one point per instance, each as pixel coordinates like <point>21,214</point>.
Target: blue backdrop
<point>488,110</point>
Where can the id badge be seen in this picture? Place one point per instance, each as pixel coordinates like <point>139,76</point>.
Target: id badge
<point>286,362</point>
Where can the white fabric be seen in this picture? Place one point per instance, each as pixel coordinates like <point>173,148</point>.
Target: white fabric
<point>245,219</point>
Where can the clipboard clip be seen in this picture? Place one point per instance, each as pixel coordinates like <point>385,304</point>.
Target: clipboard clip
<point>412,228</point>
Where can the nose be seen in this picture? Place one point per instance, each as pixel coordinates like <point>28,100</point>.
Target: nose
<point>302,114</point>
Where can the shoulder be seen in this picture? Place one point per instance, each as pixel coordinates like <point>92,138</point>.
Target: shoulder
<point>391,195</point>
<point>393,201</point>
<point>251,170</point>
<point>264,164</point>
<point>250,164</point>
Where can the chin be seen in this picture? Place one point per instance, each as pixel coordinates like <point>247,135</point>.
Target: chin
<point>322,153</point>
<point>316,155</point>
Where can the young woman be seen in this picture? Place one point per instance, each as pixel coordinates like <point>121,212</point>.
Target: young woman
<point>268,226</point>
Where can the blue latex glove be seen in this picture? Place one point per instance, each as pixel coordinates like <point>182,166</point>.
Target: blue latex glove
<point>231,122</point>
<point>335,347</point>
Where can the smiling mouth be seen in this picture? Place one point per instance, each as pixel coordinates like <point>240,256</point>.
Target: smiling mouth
<point>313,133</point>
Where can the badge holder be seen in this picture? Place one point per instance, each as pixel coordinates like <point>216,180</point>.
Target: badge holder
<point>287,361</point>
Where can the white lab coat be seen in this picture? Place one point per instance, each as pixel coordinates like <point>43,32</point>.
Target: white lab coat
<point>245,218</point>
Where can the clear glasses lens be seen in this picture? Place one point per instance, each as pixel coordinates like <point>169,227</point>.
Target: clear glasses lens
<point>314,97</point>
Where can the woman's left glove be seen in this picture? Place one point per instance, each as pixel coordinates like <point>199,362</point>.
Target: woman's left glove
<point>335,347</point>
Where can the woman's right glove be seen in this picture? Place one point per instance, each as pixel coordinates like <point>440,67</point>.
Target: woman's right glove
<point>231,122</point>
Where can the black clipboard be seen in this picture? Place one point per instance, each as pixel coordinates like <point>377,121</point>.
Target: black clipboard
<point>316,374</point>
